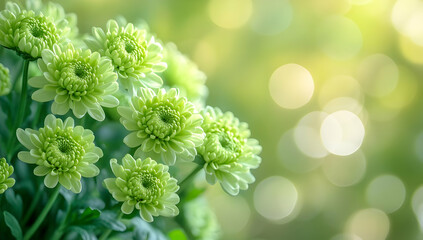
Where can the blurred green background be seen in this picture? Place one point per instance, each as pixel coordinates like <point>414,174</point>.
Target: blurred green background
<point>330,88</point>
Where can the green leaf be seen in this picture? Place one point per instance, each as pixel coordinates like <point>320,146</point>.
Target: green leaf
<point>85,235</point>
<point>177,234</point>
<point>108,220</point>
<point>15,202</point>
<point>87,216</point>
<point>13,224</point>
<point>145,231</point>
<point>193,194</point>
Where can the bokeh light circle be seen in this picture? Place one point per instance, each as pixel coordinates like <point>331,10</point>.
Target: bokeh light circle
<point>417,205</point>
<point>344,171</point>
<point>346,236</point>
<point>230,13</point>
<point>343,103</point>
<point>369,224</point>
<point>378,75</point>
<point>386,192</point>
<point>407,16</point>
<point>291,86</point>
<point>233,213</point>
<point>307,135</point>
<point>339,37</point>
<point>292,158</point>
<point>271,17</point>
<point>341,86</point>
<point>275,198</point>
<point>342,133</point>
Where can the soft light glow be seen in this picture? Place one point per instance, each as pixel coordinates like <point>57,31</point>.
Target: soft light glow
<point>412,51</point>
<point>369,224</point>
<point>343,103</point>
<point>292,158</point>
<point>407,16</point>
<point>345,171</point>
<point>271,17</point>
<point>233,213</point>
<point>346,236</point>
<point>386,192</point>
<point>360,2</point>
<point>230,13</point>
<point>275,198</point>
<point>307,135</point>
<point>339,37</point>
<point>417,205</point>
<point>340,86</point>
<point>342,133</point>
<point>378,75</point>
<point>404,93</point>
<point>291,86</point>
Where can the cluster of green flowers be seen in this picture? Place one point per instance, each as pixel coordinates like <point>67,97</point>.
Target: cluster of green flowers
<point>166,124</point>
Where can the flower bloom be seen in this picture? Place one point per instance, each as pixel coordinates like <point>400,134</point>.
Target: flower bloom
<point>75,79</point>
<point>28,32</point>
<point>163,125</point>
<point>145,185</point>
<point>228,151</point>
<point>184,74</point>
<point>136,59</point>
<point>4,80</point>
<point>5,172</point>
<point>63,153</point>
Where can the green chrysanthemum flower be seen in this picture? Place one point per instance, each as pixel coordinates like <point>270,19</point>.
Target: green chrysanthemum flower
<point>163,125</point>
<point>228,151</point>
<point>201,220</point>
<point>145,185</point>
<point>5,171</point>
<point>136,59</point>
<point>63,153</point>
<point>30,31</point>
<point>184,74</point>
<point>76,79</point>
<point>4,80</point>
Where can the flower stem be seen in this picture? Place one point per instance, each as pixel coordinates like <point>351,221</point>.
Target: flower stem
<point>43,214</point>
<point>107,233</point>
<point>59,232</point>
<point>34,203</point>
<point>21,113</point>
<point>200,163</point>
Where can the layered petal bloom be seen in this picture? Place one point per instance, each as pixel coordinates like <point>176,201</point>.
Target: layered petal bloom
<point>28,32</point>
<point>76,79</point>
<point>145,185</point>
<point>184,74</point>
<point>5,171</point>
<point>62,152</point>
<point>4,80</point>
<point>163,126</point>
<point>228,151</point>
<point>136,59</point>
